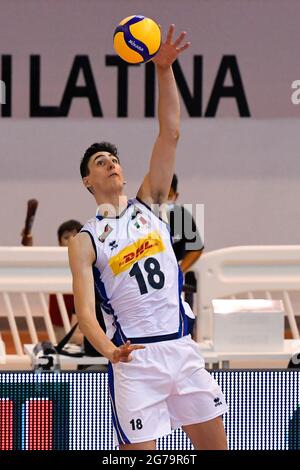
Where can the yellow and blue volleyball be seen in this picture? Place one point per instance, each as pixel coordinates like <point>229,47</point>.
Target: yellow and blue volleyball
<point>137,39</point>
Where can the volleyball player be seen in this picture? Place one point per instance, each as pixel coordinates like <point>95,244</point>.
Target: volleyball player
<point>157,379</point>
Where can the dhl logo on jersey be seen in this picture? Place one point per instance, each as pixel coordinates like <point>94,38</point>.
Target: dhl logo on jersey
<point>140,249</point>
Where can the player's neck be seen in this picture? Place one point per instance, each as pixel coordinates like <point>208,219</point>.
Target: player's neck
<point>112,206</point>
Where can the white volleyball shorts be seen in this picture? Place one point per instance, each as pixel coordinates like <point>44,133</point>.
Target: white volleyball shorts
<point>165,386</point>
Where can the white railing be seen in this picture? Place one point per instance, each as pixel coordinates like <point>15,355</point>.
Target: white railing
<point>28,270</point>
<point>250,272</point>
<point>230,272</point>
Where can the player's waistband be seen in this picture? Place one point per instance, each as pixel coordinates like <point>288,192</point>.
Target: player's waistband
<point>149,339</point>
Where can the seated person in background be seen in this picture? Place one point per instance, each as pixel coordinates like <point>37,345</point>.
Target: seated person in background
<point>184,233</point>
<point>65,231</point>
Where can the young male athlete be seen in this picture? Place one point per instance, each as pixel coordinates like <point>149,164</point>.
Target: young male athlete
<point>157,378</point>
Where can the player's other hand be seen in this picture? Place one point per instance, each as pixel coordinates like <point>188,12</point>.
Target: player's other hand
<point>123,353</point>
<point>170,49</point>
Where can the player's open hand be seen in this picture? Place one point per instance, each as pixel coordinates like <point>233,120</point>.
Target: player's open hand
<point>169,50</point>
<point>123,353</point>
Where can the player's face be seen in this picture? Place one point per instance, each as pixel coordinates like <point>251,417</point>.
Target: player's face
<point>105,172</point>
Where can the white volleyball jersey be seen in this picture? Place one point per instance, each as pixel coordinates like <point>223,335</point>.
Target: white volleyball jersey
<point>137,278</point>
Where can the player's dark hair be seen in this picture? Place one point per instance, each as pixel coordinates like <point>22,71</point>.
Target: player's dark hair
<point>174,183</point>
<point>94,148</point>
<point>68,226</point>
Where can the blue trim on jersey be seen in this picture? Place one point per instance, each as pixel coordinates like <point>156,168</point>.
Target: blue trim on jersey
<point>100,290</point>
<point>119,338</point>
<point>93,242</point>
<point>122,438</point>
<point>183,328</point>
<point>183,318</point>
<point>184,323</point>
<point>153,339</point>
<point>180,284</point>
<point>105,304</point>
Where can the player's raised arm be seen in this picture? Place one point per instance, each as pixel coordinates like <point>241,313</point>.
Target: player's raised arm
<point>155,187</point>
<point>81,257</point>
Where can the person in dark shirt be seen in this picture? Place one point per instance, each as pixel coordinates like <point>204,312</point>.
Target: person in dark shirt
<point>187,242</point>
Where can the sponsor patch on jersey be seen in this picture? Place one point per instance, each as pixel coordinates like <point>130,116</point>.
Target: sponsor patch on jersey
<point>107,230</point>
<point>141,222</point>
<point>143,247</point>
<point>138,218</point>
